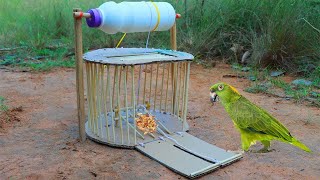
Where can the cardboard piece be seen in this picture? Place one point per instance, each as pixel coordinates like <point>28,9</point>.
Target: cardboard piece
<point>191,162</point>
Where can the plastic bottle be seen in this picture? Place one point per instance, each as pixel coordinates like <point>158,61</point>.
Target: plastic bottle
<point>128,17</point>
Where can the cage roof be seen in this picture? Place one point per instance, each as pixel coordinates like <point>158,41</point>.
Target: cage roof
<point>134,56</point>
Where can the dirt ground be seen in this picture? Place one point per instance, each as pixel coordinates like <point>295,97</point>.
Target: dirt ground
<point>42,143</point>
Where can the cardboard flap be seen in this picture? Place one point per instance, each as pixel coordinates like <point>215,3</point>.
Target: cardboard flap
<point>187,155</point>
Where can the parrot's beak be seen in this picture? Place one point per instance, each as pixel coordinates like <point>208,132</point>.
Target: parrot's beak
<point>213,96</point>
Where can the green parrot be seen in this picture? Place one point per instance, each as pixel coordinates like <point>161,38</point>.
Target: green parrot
<point>253,122</point>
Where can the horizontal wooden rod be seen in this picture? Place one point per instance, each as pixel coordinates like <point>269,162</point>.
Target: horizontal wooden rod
<point>81,14</point>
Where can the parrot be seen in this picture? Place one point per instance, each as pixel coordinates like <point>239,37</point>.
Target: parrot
<point>253,122</point>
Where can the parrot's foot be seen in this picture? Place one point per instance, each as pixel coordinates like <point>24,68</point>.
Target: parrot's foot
<point>240,151</point>
<point>263,150</point>
<point>266,146</point>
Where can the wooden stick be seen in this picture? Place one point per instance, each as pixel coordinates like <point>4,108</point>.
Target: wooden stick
<point>99,99</point>
<point>139,79</point>
<point>118,102</point>
<point>111,104</point>
<point>184,80</point>
<point>155,91</point>
<point>102,101</point>
<point>150,93</point>
<point>126,102</point>
<point>162,82</point>
<point>186,95</point>
<point>115,90</point>
<point>79,76</point>
<point>91,95</point>
<point>173,41</point>
<point>164,127</point>
<point>95,97</point>
<point>105,103</point>
<point>174,87</point>
<point>179,75</point>
<point>88,94</point>
<point>167,88</point>
<point>133,104</point>
<point>144,85</point>
<point>114,85</point>
<point>136,132</point>
<point>173,37</point>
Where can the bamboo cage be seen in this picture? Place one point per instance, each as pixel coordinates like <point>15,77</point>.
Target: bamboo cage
<point>125,82</point>
<point>138,98</point>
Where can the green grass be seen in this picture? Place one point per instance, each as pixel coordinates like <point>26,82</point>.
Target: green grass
<point>3,107</point>
<point>271,85</point>
<point>278,33</point>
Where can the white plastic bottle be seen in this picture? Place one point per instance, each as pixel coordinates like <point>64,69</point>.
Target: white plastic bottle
<point>128,17</point>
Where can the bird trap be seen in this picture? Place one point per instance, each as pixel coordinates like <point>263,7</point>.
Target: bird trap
<point>138,98</point>
<point>136,94</point>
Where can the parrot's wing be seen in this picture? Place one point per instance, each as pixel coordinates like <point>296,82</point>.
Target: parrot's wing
<point>248,116</point>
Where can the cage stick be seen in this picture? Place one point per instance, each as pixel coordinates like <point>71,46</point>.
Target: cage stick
<point>184,77</point>
<point>96,76</point>
<point>118,112</point>
<point>99,99</point>
<point>161,91</point>
<point>91,95</point>
<point>178,88</point>
<point>150,92</point>
<point>88,92</point>
<point>114,84</point>
<point>126,102</point>
<point>106,91</point>
<point>155,93</point>
<point>144,85</point>
<point>95,99</point>
<point>115,90</point>
<point>135,130</point>
<point>139,79</point>
<point>102,106</point>
<point>133,105</point>
<point>186,95</point>
<point>174,88</point>
<point>167,88</point>
<point>111,104</point>
<point>120,77</point>
<point>164,127</point>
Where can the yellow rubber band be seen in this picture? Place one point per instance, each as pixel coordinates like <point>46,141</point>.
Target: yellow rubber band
<point>158,13</point>
<point>124,35</point>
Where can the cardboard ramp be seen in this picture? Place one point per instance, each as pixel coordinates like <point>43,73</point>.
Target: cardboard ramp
<point>187,155</point>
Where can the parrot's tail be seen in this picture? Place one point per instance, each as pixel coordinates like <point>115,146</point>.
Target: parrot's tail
<point>297,143</point>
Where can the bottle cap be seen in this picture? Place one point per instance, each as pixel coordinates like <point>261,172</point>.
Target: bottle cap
<point>95,20</point>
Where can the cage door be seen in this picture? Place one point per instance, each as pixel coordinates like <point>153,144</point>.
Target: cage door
<point>187,155</point>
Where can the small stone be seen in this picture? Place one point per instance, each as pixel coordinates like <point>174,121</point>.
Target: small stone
<point>235,66</point>
<point>252,78</point>
<point>245,69</point>
<point>277,73</point>
<point>315,94</point>
<point>302,82</point>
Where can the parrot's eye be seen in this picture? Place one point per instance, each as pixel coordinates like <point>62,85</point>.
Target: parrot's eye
<point>220,87</point>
